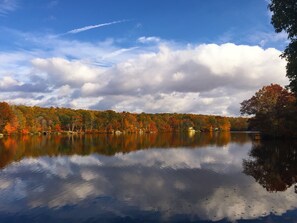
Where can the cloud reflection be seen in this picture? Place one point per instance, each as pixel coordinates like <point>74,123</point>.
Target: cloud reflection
<point>160,184</point>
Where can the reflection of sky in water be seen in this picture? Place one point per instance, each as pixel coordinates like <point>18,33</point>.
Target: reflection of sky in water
<point>156,184</point>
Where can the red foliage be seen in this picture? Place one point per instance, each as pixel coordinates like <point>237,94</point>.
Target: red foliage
<point>274,110</point>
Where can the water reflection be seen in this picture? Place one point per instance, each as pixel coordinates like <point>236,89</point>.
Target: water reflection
<point>273,164</point>
<point>17,148</point>
<point>202,180</point>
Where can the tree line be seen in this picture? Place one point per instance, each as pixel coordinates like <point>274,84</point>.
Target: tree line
<point>21,119</point>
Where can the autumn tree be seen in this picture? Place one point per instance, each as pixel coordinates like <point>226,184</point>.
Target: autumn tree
<point>20,120</point>
<point>6,115</point>
<point>223,124</point>
<point>238,123</point>
<point>87,119</point>
<point>273,109</point>
<point>284,18</point>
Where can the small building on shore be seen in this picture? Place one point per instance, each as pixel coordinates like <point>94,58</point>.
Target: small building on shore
<point>191,131</point>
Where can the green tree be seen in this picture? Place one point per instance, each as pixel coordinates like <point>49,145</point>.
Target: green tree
<point>284,18</point>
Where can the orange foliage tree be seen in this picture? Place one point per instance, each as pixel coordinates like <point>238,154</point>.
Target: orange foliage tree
<point>6,115</point>
<point>273,109</point>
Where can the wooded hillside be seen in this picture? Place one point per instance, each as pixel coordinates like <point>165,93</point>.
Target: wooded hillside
<point>22,119</point>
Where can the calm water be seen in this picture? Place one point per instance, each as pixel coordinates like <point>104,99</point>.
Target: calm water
<point>219,177</point>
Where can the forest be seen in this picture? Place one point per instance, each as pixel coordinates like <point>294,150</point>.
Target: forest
<point>21,119</point>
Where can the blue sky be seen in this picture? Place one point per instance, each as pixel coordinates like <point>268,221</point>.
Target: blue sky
<point>191,21</point>
<point>155,56</point>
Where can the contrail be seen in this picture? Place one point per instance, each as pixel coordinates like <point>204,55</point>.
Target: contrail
<point>74,31</point>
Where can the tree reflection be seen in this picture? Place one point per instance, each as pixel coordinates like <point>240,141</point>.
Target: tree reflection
<point>273,164</point>
<point>19,147</point>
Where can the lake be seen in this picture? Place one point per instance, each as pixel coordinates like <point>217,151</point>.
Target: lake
<point>218,177</point>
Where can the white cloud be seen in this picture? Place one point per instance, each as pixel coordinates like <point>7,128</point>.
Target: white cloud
<point>265,39</point>
<point>178,76</point>
<point>7,6</point>
<point>205,78</point>
<point>78,30</point>
<point>60,71</point>
<point>7,82</point>
<point>15,64</point>
<point>149,82</point>
<point>150,39</point>
<point>84,103</point>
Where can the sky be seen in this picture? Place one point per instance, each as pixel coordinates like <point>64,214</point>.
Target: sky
<point>183,56</point>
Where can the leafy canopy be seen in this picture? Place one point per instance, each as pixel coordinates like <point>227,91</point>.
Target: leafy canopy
<point>268,100</point>
<point>274,111</point>
<point>284,18</point>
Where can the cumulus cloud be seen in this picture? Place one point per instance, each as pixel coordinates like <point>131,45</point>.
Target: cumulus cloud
<point>210,76</point>
<point>203,68</point>
<point>60,71</point>
<point>6,82</point>
<point>205,78</point>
